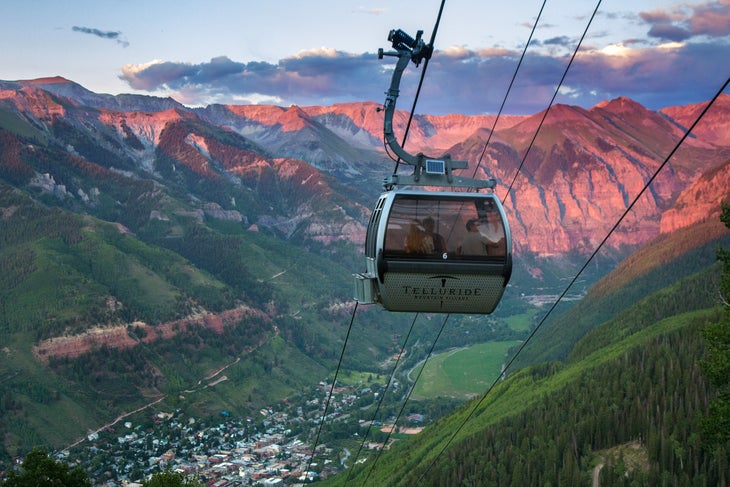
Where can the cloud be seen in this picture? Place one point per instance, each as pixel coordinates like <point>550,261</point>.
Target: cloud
<point>686,21</point>
<point>458,80</point>
<point>313,77</point>
<point>657,76</point>
<point>113,35</point>
<point>559,41</point>
<point>370,11</point>
<point>670,32</point>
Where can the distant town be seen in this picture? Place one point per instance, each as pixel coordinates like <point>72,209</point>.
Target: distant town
<point>272,448</point>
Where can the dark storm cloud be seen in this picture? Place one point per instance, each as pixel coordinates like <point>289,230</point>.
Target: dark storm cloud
<point>458,80</point>
<point>669,32</point>
<point>113,35</point>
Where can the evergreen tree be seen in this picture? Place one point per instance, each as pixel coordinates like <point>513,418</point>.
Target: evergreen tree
<point>39,469</point>
<point>716,427</point>
<point>168,478</point>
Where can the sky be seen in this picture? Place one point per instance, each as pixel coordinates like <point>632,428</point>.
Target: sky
<point>321,52</point>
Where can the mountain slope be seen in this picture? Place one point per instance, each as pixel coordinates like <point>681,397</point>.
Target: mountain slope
<point>630,287</point>
<point>585,167</point>
<point>632,388</point>
<point>565,425</point>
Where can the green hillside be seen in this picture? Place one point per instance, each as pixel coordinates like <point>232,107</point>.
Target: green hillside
<point>658,264</point>
<point>62,273</point>
<point>553,424</point>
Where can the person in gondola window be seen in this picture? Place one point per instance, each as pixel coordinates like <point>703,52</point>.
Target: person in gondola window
<point>482,241</point>
<point>417,240</point>
<point>494,231</point>
<point>439,244</point>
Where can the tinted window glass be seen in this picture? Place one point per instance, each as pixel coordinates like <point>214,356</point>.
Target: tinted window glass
<point>444,228</point>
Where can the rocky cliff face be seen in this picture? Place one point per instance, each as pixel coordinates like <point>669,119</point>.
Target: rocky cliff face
<point>563,189</point>
<point>575,179</point>
<point>584,169</point>
<point>700,201</point>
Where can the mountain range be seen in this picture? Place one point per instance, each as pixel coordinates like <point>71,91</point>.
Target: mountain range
<point>174,239</point>
<point>582,169</point>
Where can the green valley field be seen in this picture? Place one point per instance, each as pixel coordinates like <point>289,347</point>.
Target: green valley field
<point>460,372</point>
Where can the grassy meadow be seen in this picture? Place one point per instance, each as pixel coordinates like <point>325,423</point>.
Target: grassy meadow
<point>461,372</point>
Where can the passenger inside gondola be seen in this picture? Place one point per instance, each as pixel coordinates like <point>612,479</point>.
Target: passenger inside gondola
<point>494,231</point>
<point>418,241</point>
<point>435,228</point>
<point>438,242</point>
<point>483,237</point>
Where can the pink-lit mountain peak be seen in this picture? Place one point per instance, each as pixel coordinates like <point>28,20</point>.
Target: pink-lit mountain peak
<point>289,119</point>
<point>51,80</point>
<point>618,105</point>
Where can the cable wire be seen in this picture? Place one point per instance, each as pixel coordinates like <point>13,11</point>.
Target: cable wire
<point>395,171</point>
<point>555,94</point>
<point>329,398</point>
<point>509,88</point>
<point>420,84</point>
<point>408,396</point>
<point>481,157</point>
<point>595,252</point>
<point>382,396</point>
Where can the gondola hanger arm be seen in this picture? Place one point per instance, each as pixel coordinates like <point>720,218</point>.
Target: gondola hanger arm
<point>427,171</point>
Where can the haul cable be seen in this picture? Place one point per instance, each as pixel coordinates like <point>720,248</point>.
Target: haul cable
<point>382,396</point>
<point>595,252</point>
<point>412,387</point>
<point>408,396</point>
<point>329,397</point>
<point>552,101</point>
<point>509,88</point>
<point>395,171</point>
<point>420,84</point>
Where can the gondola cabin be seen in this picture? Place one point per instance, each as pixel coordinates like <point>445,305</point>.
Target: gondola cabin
<point>432,251</point>
<point>438,252</point>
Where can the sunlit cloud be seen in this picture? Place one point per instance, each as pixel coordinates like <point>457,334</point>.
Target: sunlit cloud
<point>685,21</point>
<point>370,11</point>
<point>325,52</point>
<point>455,52</point>
<point>654,72</point>
<point>617,50</point>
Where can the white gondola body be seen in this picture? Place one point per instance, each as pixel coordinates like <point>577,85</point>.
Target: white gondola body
<point>459,270</point>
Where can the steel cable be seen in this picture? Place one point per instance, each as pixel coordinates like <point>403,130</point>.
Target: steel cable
<point>595,252</point>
